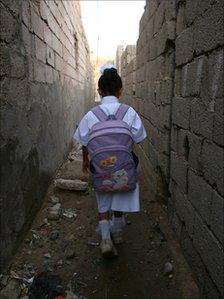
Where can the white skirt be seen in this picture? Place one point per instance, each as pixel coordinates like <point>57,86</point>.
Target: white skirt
<point>121,201</point>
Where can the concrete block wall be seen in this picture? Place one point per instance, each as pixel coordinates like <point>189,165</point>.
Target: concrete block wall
<point>46,85</point>
<point>197,152</point>
<point>179,94</point>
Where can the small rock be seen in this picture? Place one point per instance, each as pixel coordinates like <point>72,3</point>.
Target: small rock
<point>54,235</point>
<point>54,212</point>
<point>47,255</point>
<point>11,291</point>
<point>73,185</point>
<point>60,263</point>
<point>54,199</point>
<point>69,253</point>
<point>168,268</point>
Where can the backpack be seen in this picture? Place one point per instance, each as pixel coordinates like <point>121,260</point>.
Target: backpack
<point>110,149</point>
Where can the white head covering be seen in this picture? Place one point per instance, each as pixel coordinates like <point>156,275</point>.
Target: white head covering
<point>107,66</point>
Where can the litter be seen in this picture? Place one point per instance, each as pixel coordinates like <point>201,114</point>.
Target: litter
<point>48,265</point>
<point>46,285</point>
<point>47,255</point>
<point>93,244</point>
<point>69,213</point>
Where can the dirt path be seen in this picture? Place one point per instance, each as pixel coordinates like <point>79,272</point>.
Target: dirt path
<point>138,271</point>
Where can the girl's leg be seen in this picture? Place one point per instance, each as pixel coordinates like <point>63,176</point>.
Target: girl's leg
<point>104,225</point>
<point>117,226</point>
<point>118,220</point>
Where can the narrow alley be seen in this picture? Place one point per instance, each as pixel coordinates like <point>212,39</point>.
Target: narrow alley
<point>149,263</point>
<point>168,56</point>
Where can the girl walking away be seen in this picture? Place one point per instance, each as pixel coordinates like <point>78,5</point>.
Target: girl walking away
<point>107,133</point>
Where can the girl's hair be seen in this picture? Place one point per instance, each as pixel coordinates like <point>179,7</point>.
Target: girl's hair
<point>110,82</point>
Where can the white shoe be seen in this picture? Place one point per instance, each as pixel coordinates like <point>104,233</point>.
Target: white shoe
<point>117,236</point>
<point>107,248</point>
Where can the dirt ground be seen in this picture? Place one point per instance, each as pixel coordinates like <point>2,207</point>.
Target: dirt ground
<point>137,272</point>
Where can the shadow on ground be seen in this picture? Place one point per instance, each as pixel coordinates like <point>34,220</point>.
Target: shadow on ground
<point>69,247</point>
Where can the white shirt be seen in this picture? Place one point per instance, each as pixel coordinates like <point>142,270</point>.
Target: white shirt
<point>110,104</point>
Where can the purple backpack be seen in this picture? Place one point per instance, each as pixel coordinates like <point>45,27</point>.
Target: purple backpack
<point>110,148</point>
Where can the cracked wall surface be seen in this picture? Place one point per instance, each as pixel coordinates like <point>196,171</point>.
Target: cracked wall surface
<point>46,85</point>
<point>176,83</point>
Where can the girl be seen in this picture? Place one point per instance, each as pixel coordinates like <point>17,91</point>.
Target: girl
<point>109,88</point>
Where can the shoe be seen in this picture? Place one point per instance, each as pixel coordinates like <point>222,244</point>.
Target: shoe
<point>117,236</point>
<point>108,249</point>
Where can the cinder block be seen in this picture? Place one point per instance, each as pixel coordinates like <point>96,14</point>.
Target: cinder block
<point>49,74</point>
<point>44,10</point>
<point>57,45</point>
<point>195,147</point>
<point>218,131</point>
<point>184,210</point>
<point>213,165</point>
<point>183,144</point>
<point>4,60</point>
<point>9,26</point>
<point>50,56</point>
<point>193,75</point>
<point>48,36</point>
<point>163,142</point>
<point>151,8</point>
<point>218,134</point>
<point>26,14</point>
<point>216,74</point>
<point>166,91</point>
<point>159,17</point>
<point>200,195</point>
<point>170,10</point>
<point>208,29</point>
<point>210,251</point>
<point>201,118</point>
<point>194,259</point>
<point>39,71</point>
<point>17,65</point>
<point>28,41</point>
<point>40,49</point>
<point>37,25</point>
<point>217,216</point>
<point>181,19</point>
<point>179,172</point>
<point>184,46</point>
<point>181,112</point>
<point>174,138</point>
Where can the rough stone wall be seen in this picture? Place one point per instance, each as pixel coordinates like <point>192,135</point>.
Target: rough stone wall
<point>46,76</point>
<point>179,94</point>
<point>120,50</point>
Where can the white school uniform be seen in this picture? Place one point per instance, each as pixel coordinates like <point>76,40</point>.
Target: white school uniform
<point>119,201</point>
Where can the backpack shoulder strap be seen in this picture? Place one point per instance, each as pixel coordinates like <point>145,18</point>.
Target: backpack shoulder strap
<point>121,111</point>
<point>99,113</point>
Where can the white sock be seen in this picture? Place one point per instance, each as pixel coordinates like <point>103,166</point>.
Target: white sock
<point>118,223</point>
<point>105,229</point>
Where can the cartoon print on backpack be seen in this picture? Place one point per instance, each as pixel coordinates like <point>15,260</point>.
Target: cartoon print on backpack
<point>121,180</point>
<point>115,181</point>
<point>108,162</point>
